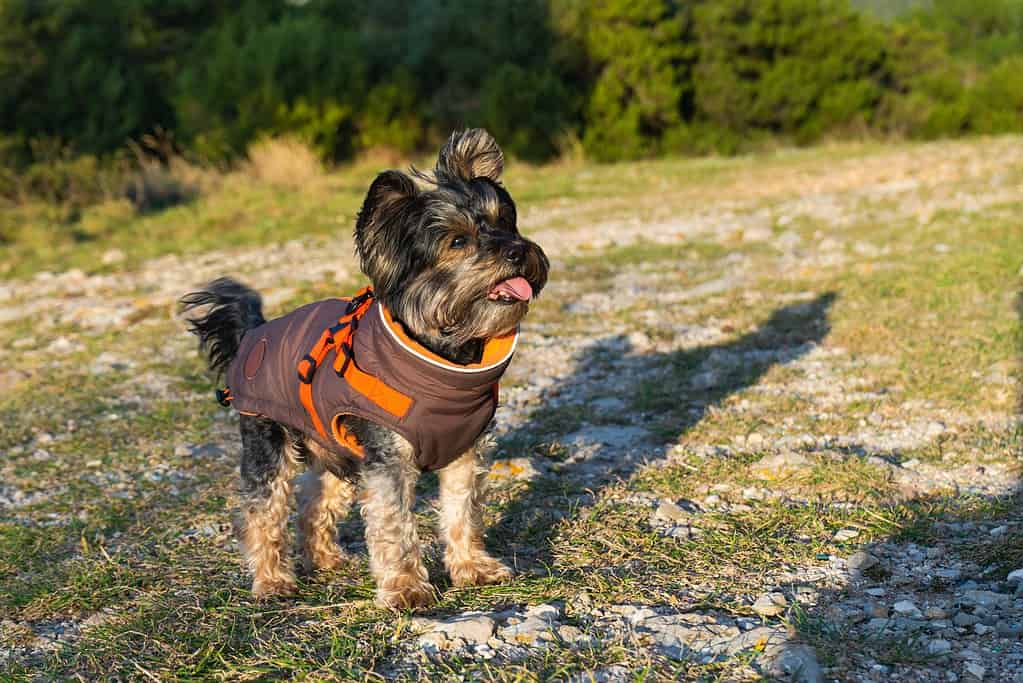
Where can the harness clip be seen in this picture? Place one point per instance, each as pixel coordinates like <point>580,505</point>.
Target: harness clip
<point>224,397</point>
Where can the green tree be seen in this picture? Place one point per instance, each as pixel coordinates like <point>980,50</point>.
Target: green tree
<point>640,54</point>
<point>790,67</point>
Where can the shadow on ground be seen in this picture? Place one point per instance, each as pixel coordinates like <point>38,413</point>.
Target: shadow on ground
<point>676,392</point>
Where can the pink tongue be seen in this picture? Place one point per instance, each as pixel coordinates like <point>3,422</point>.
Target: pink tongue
<point>516,288</point>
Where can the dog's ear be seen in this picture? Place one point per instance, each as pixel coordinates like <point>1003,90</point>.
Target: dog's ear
<point>382,226</point>
<point>471,154</point>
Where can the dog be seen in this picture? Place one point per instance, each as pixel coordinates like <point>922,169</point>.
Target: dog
<point>396,380</point>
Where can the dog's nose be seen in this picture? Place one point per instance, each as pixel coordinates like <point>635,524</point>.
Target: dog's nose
<point>515,253</point>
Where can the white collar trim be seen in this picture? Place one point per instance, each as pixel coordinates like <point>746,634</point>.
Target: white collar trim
<point>446,366</point>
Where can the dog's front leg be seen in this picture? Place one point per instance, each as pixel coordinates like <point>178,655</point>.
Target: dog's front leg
<point>462,485</point>
<point>389,482</point>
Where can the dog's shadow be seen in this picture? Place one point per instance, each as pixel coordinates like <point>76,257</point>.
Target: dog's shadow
<point>620,409</point>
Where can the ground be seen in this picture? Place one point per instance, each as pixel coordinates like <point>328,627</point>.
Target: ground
<point>763,423</point>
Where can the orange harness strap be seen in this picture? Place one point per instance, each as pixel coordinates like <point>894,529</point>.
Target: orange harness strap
<point>339,339</point>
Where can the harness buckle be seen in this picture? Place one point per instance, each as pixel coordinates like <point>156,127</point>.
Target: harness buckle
<point>224,397</point>
<point>306,376</point>
<point>358,300</point>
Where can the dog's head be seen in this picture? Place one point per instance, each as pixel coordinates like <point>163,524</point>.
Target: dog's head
<point>448,260</point>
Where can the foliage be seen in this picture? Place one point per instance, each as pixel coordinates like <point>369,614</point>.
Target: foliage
<point>984,31</point>
<point>623,78</point>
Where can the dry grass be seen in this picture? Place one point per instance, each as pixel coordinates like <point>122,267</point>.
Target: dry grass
<point>284,162</point>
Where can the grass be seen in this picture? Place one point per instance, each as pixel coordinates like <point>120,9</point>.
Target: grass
<point>881,312</point>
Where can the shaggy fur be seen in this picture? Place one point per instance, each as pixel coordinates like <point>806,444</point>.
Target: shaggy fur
<point>434,251</point>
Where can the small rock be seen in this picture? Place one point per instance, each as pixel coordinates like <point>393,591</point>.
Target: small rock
<point>876,592</point>
<point>683,532</point>
<point>797,661</point>
<point>879,625</point>
<point>965,620</point>
<point>906,608</point>
<point>753,493</point>
<point>470,627</point>
<point>670,512</point>
<point>1006,629</point>
<point>527,632</point>
<point>770,604</point>
<point>1015,576</point>
<point>547,612</point>
<point>975,670</point>
<point>877,610</point>
<point>779,465</point>
<point>935,613</point>
<point>939,647</point>
<point>861,561</point>
<point>512,469</point>
<point>988,599</point>
<point>982,629</point>
<point>843,535</point>
<point>608,405</point>
<point>575,636</point>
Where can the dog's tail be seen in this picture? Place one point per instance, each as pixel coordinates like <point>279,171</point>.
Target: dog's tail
<point>234,309</point>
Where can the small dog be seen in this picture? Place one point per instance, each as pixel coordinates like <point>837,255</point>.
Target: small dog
<point>416,360</point>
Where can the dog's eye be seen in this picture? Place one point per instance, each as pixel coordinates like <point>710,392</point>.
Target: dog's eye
<point>459,242</point>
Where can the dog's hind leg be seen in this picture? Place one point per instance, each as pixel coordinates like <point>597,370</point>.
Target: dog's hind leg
<point>324,498</point>
<point>389,490</point>
<point>269,462</point>
<point>462,485</point>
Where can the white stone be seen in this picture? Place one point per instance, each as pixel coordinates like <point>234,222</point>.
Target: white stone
<point>843,535</point>
<point>472,627</point>
<point>906,608</point>
<point>770,604</point>
<point>1015,576</point>
<point>975,670</point>
<point>939,647</point>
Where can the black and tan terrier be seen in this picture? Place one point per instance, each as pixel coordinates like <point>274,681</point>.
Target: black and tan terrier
<point>371,390</point>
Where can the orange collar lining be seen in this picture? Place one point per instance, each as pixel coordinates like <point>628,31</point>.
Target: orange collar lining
<point>495,351</point>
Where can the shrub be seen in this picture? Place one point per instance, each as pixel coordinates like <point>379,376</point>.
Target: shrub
<point>640,52</point>
<point>154,185</point>
<point>271,70</point>
<point>525,110</point>
<point>283,162</point>
<point>790,67</point>
<point>996,102</point>
<point>391,118</point>
<point>924,92</point>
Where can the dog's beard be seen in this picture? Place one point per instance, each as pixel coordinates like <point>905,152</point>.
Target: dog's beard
<point>455,309</point>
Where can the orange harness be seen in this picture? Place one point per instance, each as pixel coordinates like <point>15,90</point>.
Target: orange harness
<point>338,339</point>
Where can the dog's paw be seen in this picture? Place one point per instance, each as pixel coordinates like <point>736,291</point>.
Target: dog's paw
<point>405,592</point>
<point>482,570</point>
<point>274,588</point>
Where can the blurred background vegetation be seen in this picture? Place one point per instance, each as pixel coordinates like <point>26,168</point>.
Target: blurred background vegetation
<point>102,98</point>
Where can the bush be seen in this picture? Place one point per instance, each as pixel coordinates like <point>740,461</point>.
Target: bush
<point>525,110</point>
<point>391,118</point>
<point>789,67</point>
<point>996,103</point>
<point>925,95</point>
<point>640,52</point>
<point>284,162</point>
<point>271,70</point>
<point>982,31</point>
<point>154,186</point>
